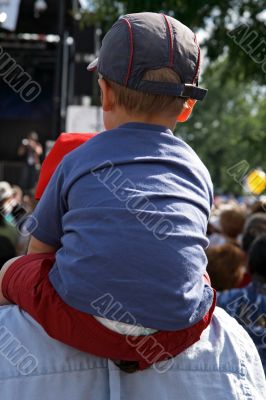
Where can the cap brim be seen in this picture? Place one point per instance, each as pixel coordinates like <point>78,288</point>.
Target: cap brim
<point>184,90</point>
<point>93,65</point>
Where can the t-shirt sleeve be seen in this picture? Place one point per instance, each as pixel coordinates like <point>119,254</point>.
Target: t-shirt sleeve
<point>45,224</point>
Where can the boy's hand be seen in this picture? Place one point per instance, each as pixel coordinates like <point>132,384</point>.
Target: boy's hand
<point>3,300</point>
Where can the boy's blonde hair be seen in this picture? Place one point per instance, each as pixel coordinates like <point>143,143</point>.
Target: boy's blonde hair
<point>137,102</point>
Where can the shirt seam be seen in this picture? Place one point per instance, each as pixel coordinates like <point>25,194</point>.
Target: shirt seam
<point>52,373</point>
<point>106,368</point>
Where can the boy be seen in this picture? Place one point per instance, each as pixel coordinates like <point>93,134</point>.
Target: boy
<point>126,213</point>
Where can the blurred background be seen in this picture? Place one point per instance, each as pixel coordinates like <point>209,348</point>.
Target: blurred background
<point>53,41</point>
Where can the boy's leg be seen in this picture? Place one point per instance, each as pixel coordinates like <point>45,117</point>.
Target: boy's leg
<point>3,300</point>
<point>27,284</point>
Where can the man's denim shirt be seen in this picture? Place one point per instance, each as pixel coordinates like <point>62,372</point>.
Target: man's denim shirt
<point>223,365</point>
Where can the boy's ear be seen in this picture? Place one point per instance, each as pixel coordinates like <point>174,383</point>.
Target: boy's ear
<point>187,110</point>
<point>107,95</point>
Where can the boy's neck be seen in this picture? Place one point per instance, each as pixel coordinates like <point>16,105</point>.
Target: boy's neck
<point>168,122</point>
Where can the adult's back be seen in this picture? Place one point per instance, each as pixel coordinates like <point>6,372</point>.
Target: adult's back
<point>224,364</point>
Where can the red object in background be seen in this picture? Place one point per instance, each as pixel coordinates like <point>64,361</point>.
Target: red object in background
<point>246,280</point>
<point>63,145</point>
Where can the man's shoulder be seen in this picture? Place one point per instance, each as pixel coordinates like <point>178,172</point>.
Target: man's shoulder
<point>222,344</point>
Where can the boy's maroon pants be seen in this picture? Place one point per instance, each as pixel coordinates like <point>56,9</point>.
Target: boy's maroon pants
<point>26,283</point>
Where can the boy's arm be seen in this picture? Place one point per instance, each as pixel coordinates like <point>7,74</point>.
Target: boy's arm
<point>46,228</point>
<point>36,246</point>
<point>45,225</point>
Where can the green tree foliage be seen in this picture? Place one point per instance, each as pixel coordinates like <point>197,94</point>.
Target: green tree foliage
<point>228,127</point>
<point>217,17</point>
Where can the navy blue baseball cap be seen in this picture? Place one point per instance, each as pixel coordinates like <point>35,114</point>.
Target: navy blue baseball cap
<point>146,41</point>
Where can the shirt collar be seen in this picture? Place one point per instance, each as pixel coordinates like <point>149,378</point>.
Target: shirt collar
<point>146,127</point>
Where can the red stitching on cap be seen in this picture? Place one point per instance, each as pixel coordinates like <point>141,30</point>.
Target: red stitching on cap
<point>131,50</point>
<point>171,39</point>
<point>198,61</point>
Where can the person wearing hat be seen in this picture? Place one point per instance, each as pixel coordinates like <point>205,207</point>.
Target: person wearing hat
<point>124,216</point>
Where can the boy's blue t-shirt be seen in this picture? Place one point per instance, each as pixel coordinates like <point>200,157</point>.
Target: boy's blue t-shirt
<point>128,211</point>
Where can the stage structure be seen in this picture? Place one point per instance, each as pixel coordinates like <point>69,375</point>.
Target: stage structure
<point>45,40</point>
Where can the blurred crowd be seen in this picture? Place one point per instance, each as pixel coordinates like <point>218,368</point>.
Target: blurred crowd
<point>15,206</point>
<point>237,264</point>
<point>232,229</point>
<point>16,202</point>
<point>236,255</point>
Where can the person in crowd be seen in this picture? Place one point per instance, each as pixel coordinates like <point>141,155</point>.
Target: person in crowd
<point>255,226</point>
<point>11,210</point>
<point>30,151</point>
<point>225,266</point>
<point>7,249</point>
<point>17,194</point>
<point>230,222</point>
<point>248,305</point>
<point>7,221</point>
<point>14,210</point>
<point>258,207</point>
<point>154,267</point>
